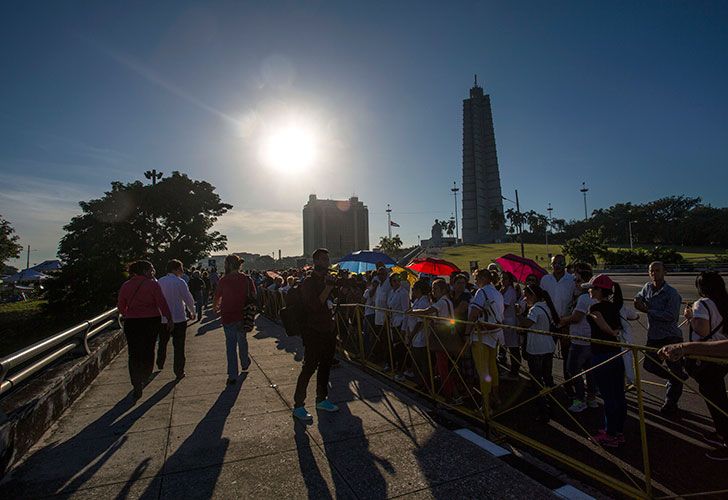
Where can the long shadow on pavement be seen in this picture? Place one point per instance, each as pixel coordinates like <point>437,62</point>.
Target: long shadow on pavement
<point>84,454</point>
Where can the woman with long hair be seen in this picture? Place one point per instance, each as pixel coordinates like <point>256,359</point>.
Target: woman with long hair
<point>707,317</point>
<point>140,303</point>
<point>605,323</point>
<point>542,316</point>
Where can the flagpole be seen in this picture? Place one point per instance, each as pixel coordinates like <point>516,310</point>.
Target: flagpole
<point>389,221</point>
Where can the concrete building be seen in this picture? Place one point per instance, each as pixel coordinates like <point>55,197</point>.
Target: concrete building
<point>482,198</point>
<point>342,226</point>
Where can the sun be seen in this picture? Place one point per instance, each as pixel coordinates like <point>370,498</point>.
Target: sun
<point>290,148</point>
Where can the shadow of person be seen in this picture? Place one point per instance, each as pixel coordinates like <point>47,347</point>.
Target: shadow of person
<point>213,324</point>
<point>265,329</point>
<point>205,446</point>
<point>79,458</point>
<point>316,486</point>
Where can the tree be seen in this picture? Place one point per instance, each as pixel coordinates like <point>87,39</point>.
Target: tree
<point>9,247</point>
<point>586,248</point>
<point>172,219</point>
<point>390,245</point>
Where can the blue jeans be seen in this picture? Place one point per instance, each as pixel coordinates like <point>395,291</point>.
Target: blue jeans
<point>236,338</point>
<point>610,380</point>
<point>579,360</point>
<point>653,364</point>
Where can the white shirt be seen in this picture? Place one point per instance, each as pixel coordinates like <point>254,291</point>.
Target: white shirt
<point>368,301</point>
<point>398,301</point>
<point>561,291</point>
<point>489,302</point>
<point>706,309</point>
<point>509,306</point>
<point>178,296</point>
<point>627,314</point>
<point>582,328</point>
<point>380,300</point>
<point>419,339</point>
<point>538,343</point>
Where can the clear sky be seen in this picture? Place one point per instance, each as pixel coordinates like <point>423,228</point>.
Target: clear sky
<point>631,97</point>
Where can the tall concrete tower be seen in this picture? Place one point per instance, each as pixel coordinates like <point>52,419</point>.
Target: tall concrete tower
<point>482,198</point>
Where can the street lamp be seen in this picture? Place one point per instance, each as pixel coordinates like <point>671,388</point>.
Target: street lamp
<point>455,190</point>
<point>584,190</point>
<point>631,246</point>
<point>389,221</point>
<point>520,222</point>
<point>153,175</point>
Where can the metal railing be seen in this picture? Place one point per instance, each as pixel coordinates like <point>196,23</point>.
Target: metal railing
<point>377,349</point>
<point>19,366</point>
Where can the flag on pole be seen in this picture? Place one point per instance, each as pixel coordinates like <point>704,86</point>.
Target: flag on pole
<point>393,224</point>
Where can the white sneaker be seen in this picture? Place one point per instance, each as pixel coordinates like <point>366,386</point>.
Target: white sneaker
<point>578,406</point>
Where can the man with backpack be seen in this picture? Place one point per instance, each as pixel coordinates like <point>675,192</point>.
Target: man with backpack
<point>319,337</point>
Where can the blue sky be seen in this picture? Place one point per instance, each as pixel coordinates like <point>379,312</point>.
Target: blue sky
<point>627,96</point>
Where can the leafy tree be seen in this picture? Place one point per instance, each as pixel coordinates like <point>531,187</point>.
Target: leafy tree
<point>586,248</point>
<point>9,247</point>
<point>172,219</point>
<point>390,245</point>
<point>516,220</point>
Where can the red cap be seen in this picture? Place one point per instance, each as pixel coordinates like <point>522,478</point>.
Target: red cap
<point>600,281</point>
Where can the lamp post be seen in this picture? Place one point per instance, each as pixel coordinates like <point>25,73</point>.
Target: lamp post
<point>455,190</point>
<point>548,224</point>
<point>153,175</point>
<point>389,222</point>
<point>631,246</point>
<point>584,190</point>
<point>520,222</point>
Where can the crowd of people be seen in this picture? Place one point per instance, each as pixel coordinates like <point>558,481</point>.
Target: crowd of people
<point>496,329</point>
<point>459,337</point>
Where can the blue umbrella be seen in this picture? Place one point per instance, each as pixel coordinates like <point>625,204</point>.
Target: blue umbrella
<point>364,260</point>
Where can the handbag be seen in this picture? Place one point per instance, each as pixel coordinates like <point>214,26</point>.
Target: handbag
<point>695,367</point>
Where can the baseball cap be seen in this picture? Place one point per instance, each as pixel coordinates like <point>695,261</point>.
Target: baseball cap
<point>600,281</point>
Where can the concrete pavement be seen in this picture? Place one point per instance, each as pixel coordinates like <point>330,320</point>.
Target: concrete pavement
<point>200,438</point>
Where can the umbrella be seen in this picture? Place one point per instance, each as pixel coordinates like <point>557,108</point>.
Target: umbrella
<point>410,275</point>
<point>520,267</point>
<point>47,265</point>
<point>430,265</point>
<point>364,260</point>
<point>369,257</point>
<point>26,275</point>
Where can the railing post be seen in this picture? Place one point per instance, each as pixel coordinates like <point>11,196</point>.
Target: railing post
<point>388,332</point>
<point>360,334</point>
<point>83,340</point>
<point>643,427</point>
<point>426,326</point>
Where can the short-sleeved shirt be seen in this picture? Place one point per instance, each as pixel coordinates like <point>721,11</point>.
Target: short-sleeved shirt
<point>412,321</point>
<point>510,297</point>
<point>561,291</point>
<point>489,303</point>
<point>582,328</point>
<point>706,309</point>
<point>398,301</point>
<point>539,343</point>
<point>610,313</point>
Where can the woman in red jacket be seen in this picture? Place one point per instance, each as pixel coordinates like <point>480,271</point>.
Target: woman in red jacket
<point>142,305</point>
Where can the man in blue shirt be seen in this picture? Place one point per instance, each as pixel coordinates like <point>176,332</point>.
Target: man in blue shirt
<point>662,303</point>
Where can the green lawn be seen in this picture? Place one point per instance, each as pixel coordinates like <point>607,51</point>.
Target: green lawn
<point>485,254</point>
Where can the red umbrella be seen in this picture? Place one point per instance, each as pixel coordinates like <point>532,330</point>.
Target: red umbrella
<point>520,267</point>
<point>437,267</point>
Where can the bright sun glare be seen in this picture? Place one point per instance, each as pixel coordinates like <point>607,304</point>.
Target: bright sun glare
<point>289,149</point>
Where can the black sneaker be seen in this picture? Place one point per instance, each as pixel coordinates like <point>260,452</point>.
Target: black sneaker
<point>714,438</point>
<point>718,454</point>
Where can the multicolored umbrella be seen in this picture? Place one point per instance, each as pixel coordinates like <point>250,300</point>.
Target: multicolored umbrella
<point>436,267</point>
<point>520,267</point>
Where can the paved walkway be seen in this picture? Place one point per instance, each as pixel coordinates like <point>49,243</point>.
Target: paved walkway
<point>200,439</point>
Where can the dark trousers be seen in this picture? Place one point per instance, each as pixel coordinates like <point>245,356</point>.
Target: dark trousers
<point>141,334</point>
<point>711,383</point>
<point>610,381</point>
<point>198,305</point>
<point>565,344</point>
<point>653,364</point>
<point>541,368</point>
<point>422,370</point>
<point>319,353</point>
<point>178,335</point>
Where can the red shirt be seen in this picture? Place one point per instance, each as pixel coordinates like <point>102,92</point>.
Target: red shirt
<point>141,297</point>
<point>233,289</point>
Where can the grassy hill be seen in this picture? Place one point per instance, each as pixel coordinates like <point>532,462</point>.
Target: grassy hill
<point>485,254</point>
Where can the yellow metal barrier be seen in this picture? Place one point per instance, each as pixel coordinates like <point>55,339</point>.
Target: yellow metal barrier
<point>374,348</point>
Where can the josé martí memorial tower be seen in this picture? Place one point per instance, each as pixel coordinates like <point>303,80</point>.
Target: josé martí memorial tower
<point>482,198</point>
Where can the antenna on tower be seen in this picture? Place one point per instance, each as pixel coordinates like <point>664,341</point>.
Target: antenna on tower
<point>476,80</point>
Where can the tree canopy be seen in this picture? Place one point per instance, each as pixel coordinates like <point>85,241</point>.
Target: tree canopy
<point>9,247</point>
<point>170,220</point>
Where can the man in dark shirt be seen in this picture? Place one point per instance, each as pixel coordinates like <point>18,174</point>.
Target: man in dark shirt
<point>319,337</point>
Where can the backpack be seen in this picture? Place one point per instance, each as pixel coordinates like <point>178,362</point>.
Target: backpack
<point>293,314</point>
